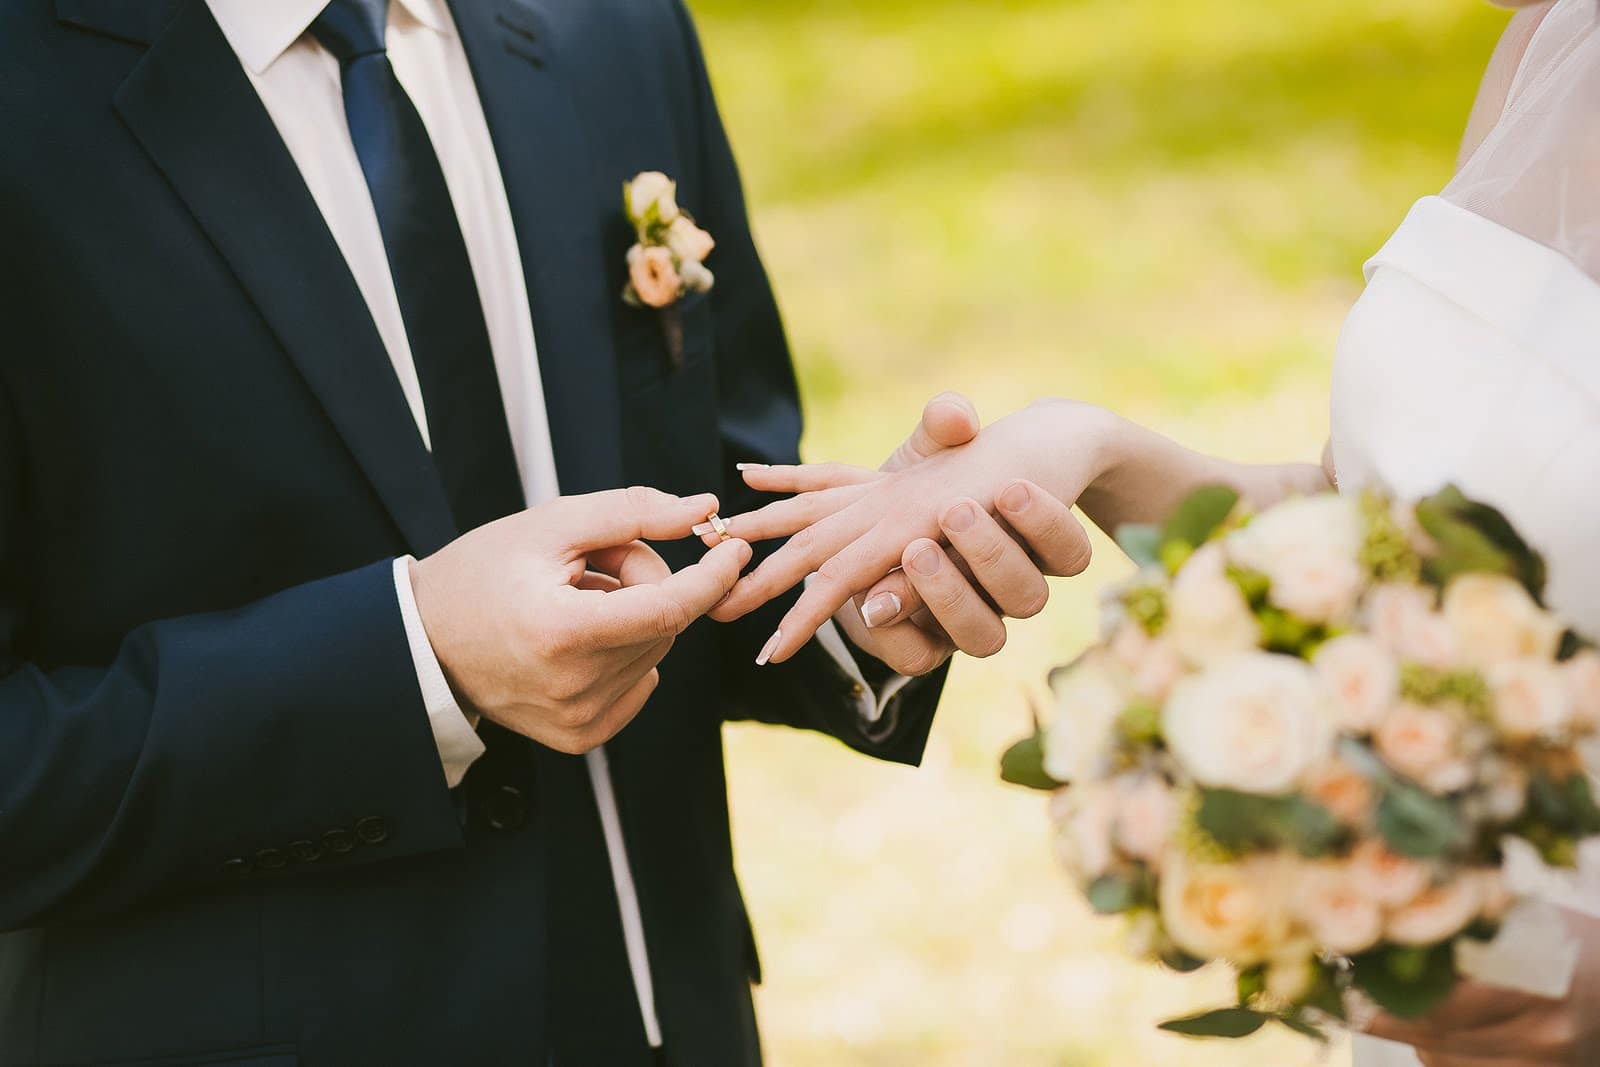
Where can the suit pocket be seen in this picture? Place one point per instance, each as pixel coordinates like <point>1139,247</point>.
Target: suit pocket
<point>644,358</point>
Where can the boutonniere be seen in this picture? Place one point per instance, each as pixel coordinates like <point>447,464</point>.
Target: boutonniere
<point>668,259</point>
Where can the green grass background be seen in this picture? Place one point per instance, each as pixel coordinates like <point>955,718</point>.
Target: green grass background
<point>1158,206</point>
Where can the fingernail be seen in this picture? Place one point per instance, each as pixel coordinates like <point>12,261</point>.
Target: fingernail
<point>960,518</point>
<point>750,466</point>
<point>1016,498</point>
<point>703,530</point>
<point>880,609</point>
<point>769,648</point>
<point>926,562</point>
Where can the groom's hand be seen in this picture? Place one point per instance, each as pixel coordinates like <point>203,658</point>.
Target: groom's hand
<point>551,622</point>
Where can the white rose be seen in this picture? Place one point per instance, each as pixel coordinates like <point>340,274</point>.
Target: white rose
<point>1531,700</point>
<point>1147,810</point>
<point>1290,977</point>
<point>1582,674</point>
<point>1309,549</point>
<point>1330,901</point>
<point>652,188</point>
<point>1083,816</point>
<point>1254,722</point>
<point>1424,744</point>
<point>696,278</point>
<point>1152,665</point>
<point>1364,681</point>
<point>1402,619</point>
<point>1387,878</point>
<point>1232,911</point>
<point>1207,616</point>
<point>689,242</point>
<point>1080,737</point>
<point>1494,619</point>
<point>1439,912</point>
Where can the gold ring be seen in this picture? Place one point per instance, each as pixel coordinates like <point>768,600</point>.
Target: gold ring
<point>719,527</point>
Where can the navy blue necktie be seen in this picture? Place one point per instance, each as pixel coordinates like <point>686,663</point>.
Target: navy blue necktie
<point>432,274</point>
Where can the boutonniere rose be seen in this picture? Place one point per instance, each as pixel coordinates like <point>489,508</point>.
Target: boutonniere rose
<point>668,259</point>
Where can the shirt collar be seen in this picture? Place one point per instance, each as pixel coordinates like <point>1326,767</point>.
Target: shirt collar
<point>262,30</point>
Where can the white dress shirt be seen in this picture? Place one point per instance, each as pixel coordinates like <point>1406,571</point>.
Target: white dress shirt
<point>299,84</point>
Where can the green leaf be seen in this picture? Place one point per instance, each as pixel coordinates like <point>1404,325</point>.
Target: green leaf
<point>1142,543</point>
<point>1251,982</point>
<point>1417,824</point>
<point>1223,1022</point>
<point>1475,538</point>
<point>1197,518</point>
<point>1023,764</point>
<point>1245,822</point>
<point>1407,982</point>
<point>1111,895</point>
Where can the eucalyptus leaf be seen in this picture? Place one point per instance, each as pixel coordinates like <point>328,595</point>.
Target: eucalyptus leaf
<point>1417,824</point>
<point>1425,977</point>
<point>1111,894</point>
<point>1223,1022</point>
<point>1302,1027</point>
<point>1198,516</point>
<point>1023,764</point>
<point>1142,543</point>
<point>1246,822</point>
<point>1474,537</point>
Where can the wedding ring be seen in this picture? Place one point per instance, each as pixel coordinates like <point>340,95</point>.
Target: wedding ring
<point>718,527</point>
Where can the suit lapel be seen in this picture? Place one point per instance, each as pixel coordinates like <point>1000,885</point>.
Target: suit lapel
<point>538,138</point>
<point>191,106</point>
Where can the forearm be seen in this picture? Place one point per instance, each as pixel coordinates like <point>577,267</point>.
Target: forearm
<point>1140,476</point>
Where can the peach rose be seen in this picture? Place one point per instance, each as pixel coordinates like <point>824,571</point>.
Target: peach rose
<point>1151,663</point>
<point>1254,722</point>
<point>689,242</point>
<point>1424,744</point>
<point>1494,619</point>
<point>1496,896</point>
<point>1437,913</point>
<point>1402,619</point>
<point>1207,617</point>
<point>1146,814</point>
<point>1582,675</point>
<point>1083,817</point>
<point>1531,699</point>
<point>651,189</point>
<point>1344,791</point>
<point>1329,901</point>
<point>655,281</point>
<point>1387,878</point>
<point>1232,911</point>
<point>1080,736</point>
<point>1308,549</point>
<point>1363,679</point>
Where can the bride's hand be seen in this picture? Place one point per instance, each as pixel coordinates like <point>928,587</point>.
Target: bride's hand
<point>852,526</point>
<point>1480,1026</point>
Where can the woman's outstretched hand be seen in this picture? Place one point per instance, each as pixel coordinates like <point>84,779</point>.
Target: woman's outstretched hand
<point>850,527</point>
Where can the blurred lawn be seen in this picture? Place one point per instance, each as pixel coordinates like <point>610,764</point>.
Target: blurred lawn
<point>1161,207</point>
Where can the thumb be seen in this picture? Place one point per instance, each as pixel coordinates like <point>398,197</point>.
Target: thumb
<point>948,421</point>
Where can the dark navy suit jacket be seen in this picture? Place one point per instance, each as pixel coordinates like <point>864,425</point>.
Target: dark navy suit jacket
<point>225,836</point>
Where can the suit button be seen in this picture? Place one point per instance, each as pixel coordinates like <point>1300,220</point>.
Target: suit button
<point>338,841</point>
<point>505,809</point>
<point>270,859</point>
<point>236,867</point>
<point>372,829</point>
<point>305,851</point>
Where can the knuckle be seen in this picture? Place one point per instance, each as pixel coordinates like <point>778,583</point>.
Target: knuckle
<point>924,659</point>
<point>1079,560</point>
<point>987,553</point>
<point>1032,603</point>
<point>946,598</point>
<point>988,645</point>
<point>832,572</point>
<point>640,497</point>
<point>672,618</point>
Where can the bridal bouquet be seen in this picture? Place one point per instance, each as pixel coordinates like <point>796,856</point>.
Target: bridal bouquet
<point>1307,744</point>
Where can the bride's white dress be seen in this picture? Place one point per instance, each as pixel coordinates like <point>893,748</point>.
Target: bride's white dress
<point>1473,356</point>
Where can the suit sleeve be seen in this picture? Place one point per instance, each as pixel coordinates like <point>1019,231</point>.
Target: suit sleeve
<point>264,742</point>
<point>760,422</point>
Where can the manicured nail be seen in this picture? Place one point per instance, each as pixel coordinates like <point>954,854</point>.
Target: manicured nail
<point>880,609</point>
<point>926,562</point>
<point>750,466</point>
<point>1016,498</point>
<point>960,518</point>
<point>705,529</point>
<point>769,648</point>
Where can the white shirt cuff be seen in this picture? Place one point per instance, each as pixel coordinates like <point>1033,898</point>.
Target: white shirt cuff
<point>453,730</point>
<point>869,705</point>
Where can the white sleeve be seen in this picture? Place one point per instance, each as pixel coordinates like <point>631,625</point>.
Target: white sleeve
<point>453,730</point>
